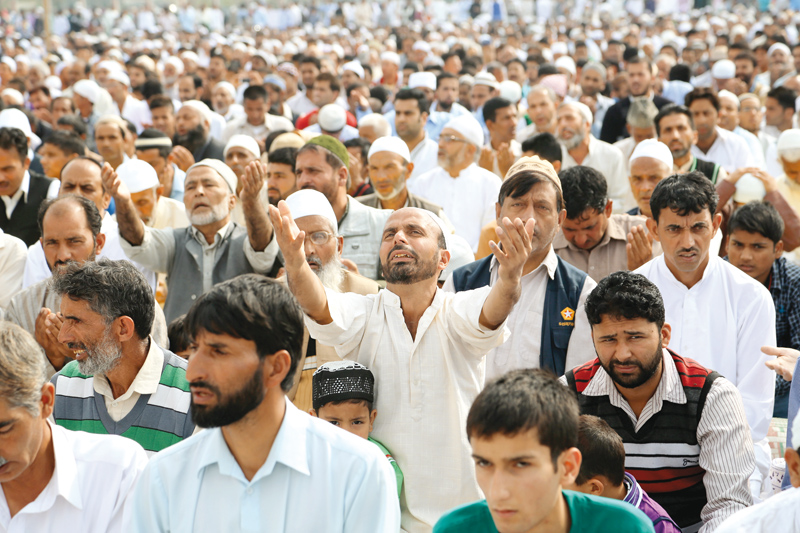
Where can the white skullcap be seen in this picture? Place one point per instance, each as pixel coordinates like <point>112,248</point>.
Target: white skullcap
<point>308,202</point>
<point>422,46</point>
<point>559,47</point>
<point>137,175</point>
<point>15,96</point>
<point>118,75</point>
<point>511,91</point>
<point>727,94</point>
<point>10,62</point>
<point>53,82</point>
<point>108,65</point>
<point>466,79</point>
<point>228,86</point>
<point>176,63</point>
<point>199,106</point>
<point>567,63</point>
<point>653,149</point>
<point>222,169</point>
<point>583,109</point>
<point>354,67</point>
<point>332,118</point>
<point>485,78</point>
<point>467,126</point>
<point>723,70</point>
<point>778,46</point>
<point>392,57</point>
<point>88,89</point>
<point>425,80</point>
<point>191,56</point>
<point>396,145</point>
<point>145,62</point>
<point>14,118</point>
<point>245,142</point>
<point>789,140</point>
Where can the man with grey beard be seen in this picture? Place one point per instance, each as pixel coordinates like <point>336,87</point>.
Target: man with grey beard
<point>580,147</point>
<point>121,382</point>
<point>213,248</point>
<point>323,248</point>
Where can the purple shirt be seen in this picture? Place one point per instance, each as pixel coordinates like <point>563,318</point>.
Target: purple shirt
<point>639,499</point>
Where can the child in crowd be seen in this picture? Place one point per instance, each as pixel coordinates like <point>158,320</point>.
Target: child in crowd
<point>178,338</point>
<point>343,393</point>
<point>603,473</point>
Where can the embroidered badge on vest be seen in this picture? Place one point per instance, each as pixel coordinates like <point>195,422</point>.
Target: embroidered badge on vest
<point>568,314</point>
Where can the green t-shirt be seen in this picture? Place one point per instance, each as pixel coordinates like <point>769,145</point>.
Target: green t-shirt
<point>588,513</point>
<point>398,474</point>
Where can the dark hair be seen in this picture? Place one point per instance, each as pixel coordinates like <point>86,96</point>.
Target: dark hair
<point>93,217</point>
<point>179,339</point>
<point>523,400</point>
<point>702,93</point>
<point>69,143</point>
<point>492,106</point>
<point>310,59</point>
<point>685,193</point>
<point>448,55</point>
<point>521,183</point>
<point>521,62</point>
<point>112,289</point>
<point>544,145</point>
<point>152,133</point>
<point>445,76</point>
<point>284,156</point>
<point>680,72</point>
<point>380,92</point>
<point>130,126</point>
<point>672,109</point>
<point>355,401</point>
<point>270,138</point>
<point>602,451</point>
<point>784,96</point>
<point>747,56</point>
<point>196,80</point>
<point>255,92</point>
<point>14,139</point>
<point>411,65</point>
<point>40,89</point>
<point>353,86</point>
<point>67,98</point>
<point>583,188</point>
<point>332,80</point>
<point>254,308</point>
<point>758,217</point>
<point>637,59</point>
<point>161,101</point>
<point>73,121</point>
<point>626,295</point>
<point>414,94</point>
<point>151,88</point>
<point>362,144</point>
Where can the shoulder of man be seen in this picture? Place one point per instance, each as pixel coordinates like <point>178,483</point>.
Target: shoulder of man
<point>471,518</point>
<point>597,510</point>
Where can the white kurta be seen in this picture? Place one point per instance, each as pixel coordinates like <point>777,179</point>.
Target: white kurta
<point>468,200</point>
<point>424,388</point>
<point>728,151</point>
<point>425,157</point>
<point>609,161</point>
<point>722,322</point>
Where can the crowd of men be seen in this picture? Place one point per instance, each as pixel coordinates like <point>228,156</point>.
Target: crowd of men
<point>541,273</point>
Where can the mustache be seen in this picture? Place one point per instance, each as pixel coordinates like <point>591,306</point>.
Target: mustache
<point>688,250</point>
<point>3,461</point>
<point>205,385</point>
<point>76,346</point>
<point>402,248</point>
<point>313,259</point>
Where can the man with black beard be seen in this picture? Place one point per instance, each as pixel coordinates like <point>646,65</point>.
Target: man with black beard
<point>193,141</point>
<point>425,346</point>
<point>121,382</point>
<point>686,436</point>
<point>262,460</point>
<point>323,248</point>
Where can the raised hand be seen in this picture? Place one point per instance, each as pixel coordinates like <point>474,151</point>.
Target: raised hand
<point>785,361</point>
<point>290,238</point>
<point>640,247</point>
<point>504,159</point>
<point>46,329</point>
<point>487,158</point>
<point>515,238</point>
<point>113,184</point>
<point>181,157</point>
<point>253,181</point>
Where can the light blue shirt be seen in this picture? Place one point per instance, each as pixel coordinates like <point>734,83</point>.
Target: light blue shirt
<point>317,478</point>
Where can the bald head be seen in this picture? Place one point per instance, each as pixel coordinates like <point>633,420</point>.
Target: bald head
<point>413,247</point>
<point>83,176</point>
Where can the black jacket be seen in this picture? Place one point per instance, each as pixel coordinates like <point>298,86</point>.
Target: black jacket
<point>23,223</point>
<point>213,149</point>
<point>617,117</point>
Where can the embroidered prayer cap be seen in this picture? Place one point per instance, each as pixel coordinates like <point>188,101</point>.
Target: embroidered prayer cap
<point>308,202</point>
<point>342,380</point>
<point>146,143</point>
<point>137,175</point>
<point>334,146</point>
<point>535,164</point>
<point>222,169</point>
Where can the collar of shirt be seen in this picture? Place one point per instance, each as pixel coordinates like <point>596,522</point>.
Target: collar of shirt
<point>418,148</point>
<point>663,272</point>
<point>289,448</point>
<point>223,232</point>
<point>686,167</point>
<point>550,262</point>
<point>346,210</point>
<point>634,495</point>
<point>146,380</point>
<point>669,389</point>
<point>22,192</point>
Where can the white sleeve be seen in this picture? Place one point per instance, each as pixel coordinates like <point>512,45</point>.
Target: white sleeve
<point>581,346</point>
<point>375,507</point>
<point>262,262</point>
<point>462,317</point>
<point>349,312</point>
<point>156,251</point>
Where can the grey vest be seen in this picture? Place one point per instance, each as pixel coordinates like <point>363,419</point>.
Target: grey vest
<point>185,281</point>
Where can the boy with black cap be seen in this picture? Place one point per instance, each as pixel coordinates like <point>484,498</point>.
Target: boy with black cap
<point>343,393</point>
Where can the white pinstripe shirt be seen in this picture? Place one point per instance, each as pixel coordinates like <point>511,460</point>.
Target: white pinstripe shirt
<point>723,436</point>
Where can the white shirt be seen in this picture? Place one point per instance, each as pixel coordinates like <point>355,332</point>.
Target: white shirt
<point>516,153</point>
<point>425,387</point>
<point>137,111</point>
<point>10,202</point>
<point>425,157</point>
<point>728,151</point>
<point>523,347</point>
<point>241,126</point>
<point>468,200</point>
<point>36,268</point>
<point>608,160</point>
<point>317,478</point>
<point>347,133</point>
<point>93,476</point>
<point>722,322</point>
<point>778,514</point>
<point>301,104</point>
<point>13,254</point>
<point>756,150</point>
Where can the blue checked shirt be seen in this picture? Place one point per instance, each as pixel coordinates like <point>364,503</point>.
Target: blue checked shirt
<point>785,289</point>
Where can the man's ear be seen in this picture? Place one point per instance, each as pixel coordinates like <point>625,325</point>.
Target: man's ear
<point>125,328</point>
<point>609,207</point>
<point>793,466</point>
<point>570,463</point>
<point>652,227</point>
<point>276,368</point>
<point>779,249</point>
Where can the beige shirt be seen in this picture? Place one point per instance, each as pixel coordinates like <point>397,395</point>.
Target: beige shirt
<point>610,255</point>
<point>170,214</point>
<point>145,382</point>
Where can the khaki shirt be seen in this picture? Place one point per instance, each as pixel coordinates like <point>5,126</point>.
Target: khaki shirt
<point>610,255</point>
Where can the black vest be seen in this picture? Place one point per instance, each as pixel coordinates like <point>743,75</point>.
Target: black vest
<point>23,223</point>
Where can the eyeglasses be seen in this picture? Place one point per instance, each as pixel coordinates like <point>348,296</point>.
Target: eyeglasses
<point>319,237</point>
<point>451,139</point>
<point>749,109</point>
